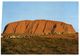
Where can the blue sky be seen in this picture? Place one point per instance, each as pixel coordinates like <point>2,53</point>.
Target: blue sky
<point>58,11</point>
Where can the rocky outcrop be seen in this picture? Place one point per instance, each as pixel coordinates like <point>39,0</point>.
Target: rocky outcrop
<point>37,27</point>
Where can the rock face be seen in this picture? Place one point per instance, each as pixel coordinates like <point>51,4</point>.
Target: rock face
<point>38,27</point>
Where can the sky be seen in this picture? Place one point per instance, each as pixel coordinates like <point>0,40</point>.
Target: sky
<point>58,11</point>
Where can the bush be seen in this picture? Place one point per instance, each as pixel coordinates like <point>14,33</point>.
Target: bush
<point>38,45</point>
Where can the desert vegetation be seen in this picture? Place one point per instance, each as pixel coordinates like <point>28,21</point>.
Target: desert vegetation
<point>39,45</point>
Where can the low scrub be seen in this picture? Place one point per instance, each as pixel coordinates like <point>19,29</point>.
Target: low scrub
<point>38,45</point>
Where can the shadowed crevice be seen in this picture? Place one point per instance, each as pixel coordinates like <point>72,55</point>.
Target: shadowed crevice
<point>5,29</point>
<point>45,26</point>
<point>53,28</point>
<point>36,27</point>
<point>31,26</point>
<point>26,26</point>
<point>16,27</point>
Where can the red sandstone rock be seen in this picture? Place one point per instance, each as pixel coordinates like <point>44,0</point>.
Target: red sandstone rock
<point>38,27</point>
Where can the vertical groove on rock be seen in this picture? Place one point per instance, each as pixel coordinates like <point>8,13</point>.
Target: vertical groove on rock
<point>36,28</point>
<point>65,27</point>
<point>16,27</point>
<point>26,26</point>
<point>31,27</point>
<point>45,26</point>
<point>53,28</point>
<point>13,28</point>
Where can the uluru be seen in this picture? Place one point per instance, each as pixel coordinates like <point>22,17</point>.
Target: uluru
<point>38,27</point>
